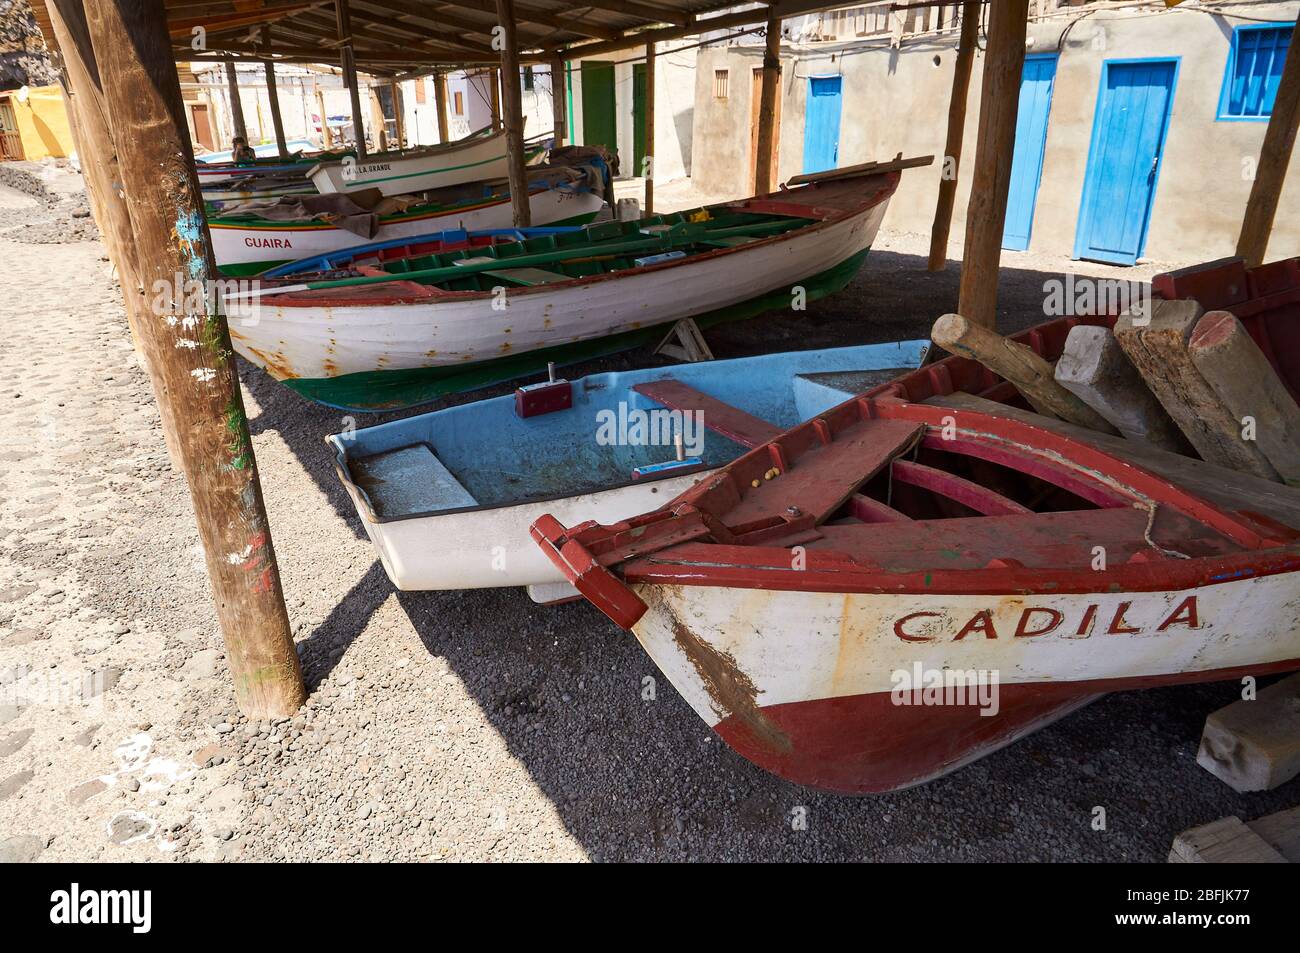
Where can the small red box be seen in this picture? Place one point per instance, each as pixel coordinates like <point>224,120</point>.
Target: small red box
<point>546,398</point>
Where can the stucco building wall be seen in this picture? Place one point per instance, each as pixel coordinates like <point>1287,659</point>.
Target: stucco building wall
<point>896,100</point>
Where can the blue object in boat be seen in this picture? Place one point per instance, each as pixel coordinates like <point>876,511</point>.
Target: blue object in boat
<point>344,256</point>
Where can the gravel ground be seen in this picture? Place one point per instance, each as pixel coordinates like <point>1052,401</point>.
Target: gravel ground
<point>44,203</point>
<point>456,726</point>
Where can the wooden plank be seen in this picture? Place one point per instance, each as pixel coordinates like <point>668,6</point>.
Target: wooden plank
<point>1158,347</point>
<point>348,63</point>
<point>1274,157</point>
<point>513,116</point>
<point>1281,831</point>
<point>1094,368</point>
<point>1032,375</point>
<point>273,96</point>
<point>827,475</point>
<point>527,276</point>
<point>991,180</point>
<point>1225,841</point>
<point>942,227</point>
<point>732,422</point>
<point>764,173</point>
<point>236,104</point>
<point>1254,745</point>
<point>559,115</point>
<point>649,170</point>
<point>1233,491</point>
<point>190,358</point>
<point>1232,363</point>
<point>866,168</point>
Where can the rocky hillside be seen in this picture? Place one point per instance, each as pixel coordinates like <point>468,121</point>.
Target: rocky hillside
<point>24,60</point>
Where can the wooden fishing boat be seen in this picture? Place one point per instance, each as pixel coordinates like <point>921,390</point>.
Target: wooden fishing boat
<point>479,156</point>
<point>247,244</point>
<point>250,188</point>
<point>895,588</point>
<point>539,298</point>
<point>447,497</point>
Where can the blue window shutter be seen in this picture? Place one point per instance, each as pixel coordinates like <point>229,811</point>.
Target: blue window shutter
<point>1254,71</point>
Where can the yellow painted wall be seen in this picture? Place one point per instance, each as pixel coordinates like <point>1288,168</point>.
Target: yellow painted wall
<point>42,122</point>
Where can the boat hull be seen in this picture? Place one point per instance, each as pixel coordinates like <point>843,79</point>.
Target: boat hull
<point>303,341</point>
<point>250,249</point>
<point>477,159</point>
<point>816,686</point>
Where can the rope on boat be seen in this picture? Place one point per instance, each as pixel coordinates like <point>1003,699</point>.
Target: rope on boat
<point>1146,533</point>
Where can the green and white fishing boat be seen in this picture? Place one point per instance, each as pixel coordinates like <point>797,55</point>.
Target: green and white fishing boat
<point>426,325</point>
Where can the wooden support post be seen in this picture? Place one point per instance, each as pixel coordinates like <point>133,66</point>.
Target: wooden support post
<point>348,61</point>
<point>513,116</point>
<point>273,96</point>
<point>440,102</point>
<point>190,359</point>
<point>559,115</point>
<point>763,159</point>
<point>649,169</point>
<point>986,212</point>
<point>970,21</point>
<point>1274,157</point>
<point>326,132</point>
<point>395,90</point>
<point>494,75</point>
<point>98,153</point>
<point>236,105</point>
<point>377,120</point>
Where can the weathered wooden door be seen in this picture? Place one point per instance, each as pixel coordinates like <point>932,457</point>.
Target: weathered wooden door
<point>11,145</point>
<point>599,124</point>
<point>821,133</point>
<point>202,126</point>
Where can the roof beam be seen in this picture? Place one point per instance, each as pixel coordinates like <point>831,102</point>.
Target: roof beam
<point>643,11</point>
<point>456,43</point>
<point>433,15</point>
<point>533,15</point>
<point>418,31</point>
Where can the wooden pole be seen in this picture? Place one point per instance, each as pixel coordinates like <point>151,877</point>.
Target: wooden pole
<point>970,21</point>
<point>273,96</point>
<point>991,181</point>
<point>348,61</point>
<point>190,356</point>
<point>378,121</point>
<point>1274,157</point>
<point>649,169</point>
<point>324,119</point>
<point>559,116</point>
<point>513,115</point>
<point>440,102</point>
<point>763,170</point>
<point>395,90</point>
<point>236,105</point>
<point>97,150</point>
<point>496,98</point>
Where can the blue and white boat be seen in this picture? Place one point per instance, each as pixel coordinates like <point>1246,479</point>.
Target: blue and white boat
<point>447,497</point>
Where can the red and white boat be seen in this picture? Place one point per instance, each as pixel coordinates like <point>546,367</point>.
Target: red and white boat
<point>896,587</point>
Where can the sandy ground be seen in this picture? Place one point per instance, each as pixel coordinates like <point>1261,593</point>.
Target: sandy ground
<point>442,725</point>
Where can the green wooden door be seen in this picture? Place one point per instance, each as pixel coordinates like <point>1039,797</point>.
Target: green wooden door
<point>638,119</point>
<point>598,123</point>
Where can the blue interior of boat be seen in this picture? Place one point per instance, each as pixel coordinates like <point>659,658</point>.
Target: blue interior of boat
<point>483,455</point>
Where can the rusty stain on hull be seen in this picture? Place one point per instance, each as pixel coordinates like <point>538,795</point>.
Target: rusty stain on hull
<point>732,692</point>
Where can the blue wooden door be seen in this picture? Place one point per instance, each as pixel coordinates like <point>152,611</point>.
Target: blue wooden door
<point>1128,138</point>
<point>821,130</point>
<point>1031,141</point>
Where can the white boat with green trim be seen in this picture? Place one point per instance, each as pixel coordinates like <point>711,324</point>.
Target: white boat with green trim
<point>528,302</point>
<point>248,244</point>
<point>479,156</point>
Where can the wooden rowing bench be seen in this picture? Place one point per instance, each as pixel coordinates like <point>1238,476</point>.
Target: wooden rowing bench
<point>718,416</point>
